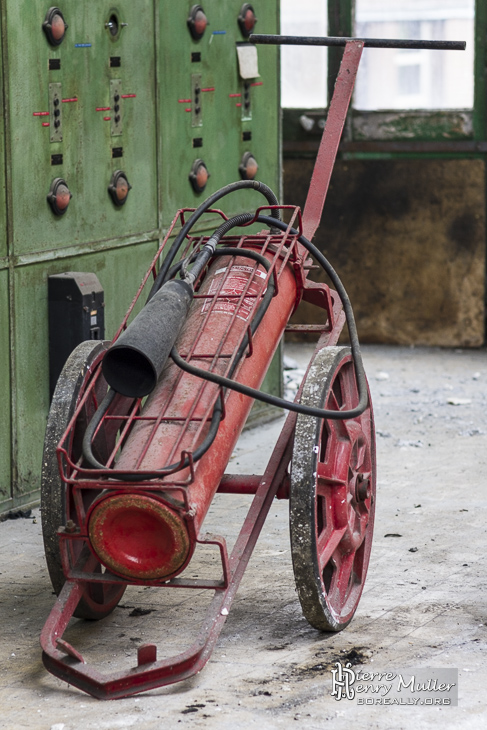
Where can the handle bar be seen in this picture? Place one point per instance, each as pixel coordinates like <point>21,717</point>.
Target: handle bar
<point>296,40</point>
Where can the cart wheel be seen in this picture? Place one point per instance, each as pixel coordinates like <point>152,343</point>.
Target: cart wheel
<point>98,600</point>
<point>332,498</point>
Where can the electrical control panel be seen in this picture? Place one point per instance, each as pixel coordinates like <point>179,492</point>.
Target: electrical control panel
<point>115,115</point>
<point>220,101</point>
<point>70,101</point>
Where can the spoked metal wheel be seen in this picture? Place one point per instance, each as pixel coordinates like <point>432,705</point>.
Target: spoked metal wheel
<point>98,600</point>
<point>332,498</point>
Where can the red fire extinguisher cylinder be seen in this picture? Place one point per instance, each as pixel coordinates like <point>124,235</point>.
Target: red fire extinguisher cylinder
<point>141,534</point>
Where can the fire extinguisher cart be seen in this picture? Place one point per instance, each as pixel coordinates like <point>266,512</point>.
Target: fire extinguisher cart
<point>141,430</point>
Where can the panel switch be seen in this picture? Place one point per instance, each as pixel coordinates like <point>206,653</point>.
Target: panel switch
<point>55,114</point>
<point>59,196</point>
<point>246,20</point>
<point>248,166</point>
<point>198,176</point>
<point>116,107</point>
<point>196,117</point>
<point>246,101</point>
<point>197,22</point>
<point>54,26</point>
<point>119,187</point>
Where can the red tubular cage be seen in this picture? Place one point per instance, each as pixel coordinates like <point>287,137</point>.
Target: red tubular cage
<point>148,447</point>
<point>282,249</point>
<point>125,415</point>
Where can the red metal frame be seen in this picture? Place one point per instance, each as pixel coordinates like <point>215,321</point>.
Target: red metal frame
<point>284,253</point>
<point>330,139</point>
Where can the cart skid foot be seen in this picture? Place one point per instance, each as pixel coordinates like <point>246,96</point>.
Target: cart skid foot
<point>62,660</point>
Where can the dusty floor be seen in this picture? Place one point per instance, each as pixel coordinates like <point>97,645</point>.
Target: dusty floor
<point>270,669</point>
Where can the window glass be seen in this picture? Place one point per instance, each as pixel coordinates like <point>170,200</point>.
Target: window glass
<point>407,79</point>
<point>303,68</point>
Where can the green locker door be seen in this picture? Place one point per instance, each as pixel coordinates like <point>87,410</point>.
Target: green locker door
<point>222,130</point>
<point>120,272</point>
<point>83,74</point>
<point>5,444</point>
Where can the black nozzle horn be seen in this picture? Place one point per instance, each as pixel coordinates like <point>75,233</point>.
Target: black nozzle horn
<point>132,365</point>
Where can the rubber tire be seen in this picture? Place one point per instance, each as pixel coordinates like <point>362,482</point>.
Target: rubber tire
<point>70,386</point>
<point>314,594</point>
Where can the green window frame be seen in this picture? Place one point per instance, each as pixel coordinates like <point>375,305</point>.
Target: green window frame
<point>402,133</point>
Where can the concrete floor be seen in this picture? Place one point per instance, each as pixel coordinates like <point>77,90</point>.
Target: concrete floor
<point>270,669</point>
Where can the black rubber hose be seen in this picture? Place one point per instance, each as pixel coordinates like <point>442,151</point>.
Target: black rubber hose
<point>245,390</point>
<point>354,343</point>
<point>218,408</point>
<point>201,257</point>
<point>216,418</point>
<point>210,246</point>
<point>347,307</point>
<point>178,241</point>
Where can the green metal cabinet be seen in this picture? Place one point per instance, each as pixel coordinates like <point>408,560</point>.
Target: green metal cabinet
<point>60,120</point>
<point>223,131</point>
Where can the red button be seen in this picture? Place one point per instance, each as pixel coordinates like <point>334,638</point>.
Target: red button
<point>200,22</point>
<point>119,187</point>
<point>247,19</point>
<point>54,26</point>
<point>248,167</point>
<point>63,196</point>
<point>122,188</point>
<point>197,22</point>
<point>59,196</point>
<point>58,28</point>
<point>198,176</point>
<point>202,176</point>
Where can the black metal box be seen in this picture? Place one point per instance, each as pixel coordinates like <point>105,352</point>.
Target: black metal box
<point>76,313</point>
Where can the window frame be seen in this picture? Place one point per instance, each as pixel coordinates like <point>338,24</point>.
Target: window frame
<point>401,132</point>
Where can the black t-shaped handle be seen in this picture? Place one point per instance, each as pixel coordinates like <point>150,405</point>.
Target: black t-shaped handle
<point>296,40</point>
